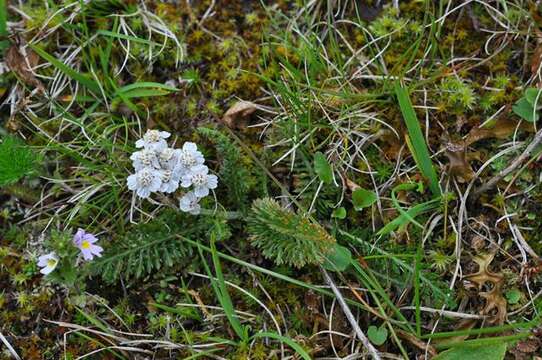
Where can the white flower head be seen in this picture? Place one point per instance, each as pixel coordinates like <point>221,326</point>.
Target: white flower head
<point>153,140</point>
<point>170,180</point>
<point>48,263</point>
<point>144,158</point>
<point>190,203</point>
<point>201,180</point>
<point>169,158</point>
<point>145,181</point>
<point>189,156</point>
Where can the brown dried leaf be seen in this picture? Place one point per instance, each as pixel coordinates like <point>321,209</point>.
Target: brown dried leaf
<point>459,166</point>
<point>536,59</point>
<point>352,186</point>
<point>495,302</point>
<point>528,346</point>
<point>484,274</point>
<point>21,60</point>
<point>502,129</point>
<point>237,116</point>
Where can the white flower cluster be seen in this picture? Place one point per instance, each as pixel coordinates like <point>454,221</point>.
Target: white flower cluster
<point>160,168</point>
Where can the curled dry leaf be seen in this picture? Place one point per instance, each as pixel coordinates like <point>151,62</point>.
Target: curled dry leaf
<point>21,60</point>
<point>495,302</point>
<point>237,116</point>
<point>501,130</point>
<point>459,166</point>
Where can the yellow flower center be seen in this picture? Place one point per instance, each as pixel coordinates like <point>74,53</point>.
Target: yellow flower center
<point>85,244</point>
<point>51,262</point>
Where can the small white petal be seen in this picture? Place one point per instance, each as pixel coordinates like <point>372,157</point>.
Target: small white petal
<point>140,143</point>
<point>143,193</point>
<point>132,182</point>
<point>190,146</point>
<point>201,191</point>
<point>212,181</point>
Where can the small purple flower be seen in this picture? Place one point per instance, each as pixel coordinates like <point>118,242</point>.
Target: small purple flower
<point>48,263</point>
<point>189,203</point>
<point>85,242</point>
<point>198,176</point>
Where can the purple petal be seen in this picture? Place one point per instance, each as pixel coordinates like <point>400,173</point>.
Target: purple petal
<point>78,237</point>
<point>90,238</point>
<point>96,250</point>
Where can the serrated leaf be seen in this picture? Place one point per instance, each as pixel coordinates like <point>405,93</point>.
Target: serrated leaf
<point>362,198</point>
<point>495,351</point>
<point>339,259</point>
<point>524,109</point>
<point>322,168</point>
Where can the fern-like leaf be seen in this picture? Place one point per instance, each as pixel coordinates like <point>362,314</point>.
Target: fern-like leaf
<point>233,172</point>
<point>16,160</point>
<point>146,249</point>
<point>286,237</point>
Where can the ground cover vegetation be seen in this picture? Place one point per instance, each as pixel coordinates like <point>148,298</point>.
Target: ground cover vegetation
<point>216,179</point>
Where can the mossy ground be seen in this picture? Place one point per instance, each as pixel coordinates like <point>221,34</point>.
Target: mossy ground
<point>322,75</point>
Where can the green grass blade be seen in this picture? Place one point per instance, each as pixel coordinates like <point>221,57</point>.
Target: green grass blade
<point>419,147</point>
<point>116,35</point>
<point>224,296</point>
<point>80,78</point>
<point>4,44</point>
<point>285,340</point>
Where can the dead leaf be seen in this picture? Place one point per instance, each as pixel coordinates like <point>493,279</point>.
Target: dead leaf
<point>237,116</point>
<point>459,166</point>
<point>352,186</point>
<point>21,60</point>
<point>495,303</point>
<point>501,130</point>
<point>536,59</point>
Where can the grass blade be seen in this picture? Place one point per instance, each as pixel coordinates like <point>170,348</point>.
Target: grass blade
<point>3,25</point>
<point>416,140</point>
<point>285,340</point>
<point>80,78</point>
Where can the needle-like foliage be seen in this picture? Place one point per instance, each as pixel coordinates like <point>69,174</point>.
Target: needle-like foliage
<point>286,237</point>
<point>16,160</point>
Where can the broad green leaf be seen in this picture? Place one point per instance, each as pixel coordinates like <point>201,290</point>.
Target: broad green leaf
<point>378,336</point>
<point>494,351</point>
<point>533,96</point>
<point>338,260</point>
<point>513,296</point>
<point>524,109</point>
<point>362,198</point>
<point>323,168</point>
<point>339,213</point>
